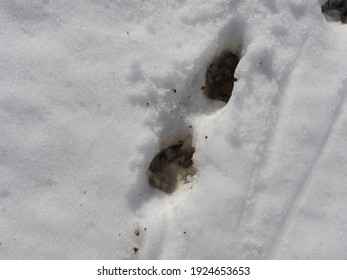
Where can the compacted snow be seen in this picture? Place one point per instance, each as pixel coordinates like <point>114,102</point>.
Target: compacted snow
<point>91,92</point>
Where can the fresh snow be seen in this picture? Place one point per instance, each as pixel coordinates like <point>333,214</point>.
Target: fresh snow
<point>87,101</point>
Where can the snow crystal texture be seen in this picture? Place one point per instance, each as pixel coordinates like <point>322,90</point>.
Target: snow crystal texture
<point>91,92</point>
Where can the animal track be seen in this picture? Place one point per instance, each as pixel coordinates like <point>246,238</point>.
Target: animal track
<point>220,76</point>
<point>172,165</point>
<point>336,9</point>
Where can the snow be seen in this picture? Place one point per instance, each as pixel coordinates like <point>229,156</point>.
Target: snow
<point>87,101</point>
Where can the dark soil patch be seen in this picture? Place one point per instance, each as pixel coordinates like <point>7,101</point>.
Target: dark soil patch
<point>172,165</point>
<point>220,77</point>
<point>336,9</point>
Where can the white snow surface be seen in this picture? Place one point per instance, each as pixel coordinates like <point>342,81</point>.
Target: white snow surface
<point>77,135</point>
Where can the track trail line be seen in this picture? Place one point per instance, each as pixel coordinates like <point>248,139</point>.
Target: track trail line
<point>304,188</point>
<point>304,183</point>
<point>269,133</point>
<point>254,218</point>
